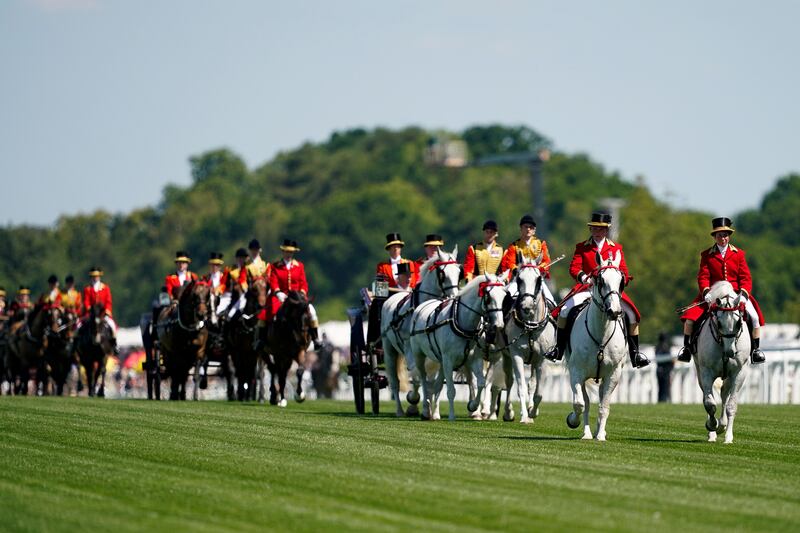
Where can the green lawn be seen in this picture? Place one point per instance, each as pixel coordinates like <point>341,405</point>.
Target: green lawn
<point>74,464</point>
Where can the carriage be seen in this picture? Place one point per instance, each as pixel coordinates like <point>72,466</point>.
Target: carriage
<point>366,366</point>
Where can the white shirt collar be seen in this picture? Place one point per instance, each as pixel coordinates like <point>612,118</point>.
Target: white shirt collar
<point>288,262</point>
<point>722,250</point>
<point>600,244</point>
<point>396,261</point>
<point>97,285</point>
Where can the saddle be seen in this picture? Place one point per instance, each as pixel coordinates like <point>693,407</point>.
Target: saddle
<point>700,322</point>
<point>571,318</point>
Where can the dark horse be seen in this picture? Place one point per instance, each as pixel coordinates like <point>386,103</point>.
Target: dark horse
<point>182,335</point>
<point>287,339</point>
<point>26,339</point>
<point>94,344</point>
<point>58,351</point>
<point>240,334</point>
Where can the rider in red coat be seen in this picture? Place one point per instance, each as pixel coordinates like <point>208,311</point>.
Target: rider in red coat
<point>723,262</point>
<point>289,274</point>
<point>584,262</point>
<point>51,298</point>
<point>181,276</point>
<point>394,245</point>
<point>99,292</point>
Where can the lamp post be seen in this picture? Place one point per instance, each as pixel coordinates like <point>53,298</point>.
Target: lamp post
<point>614,207</point>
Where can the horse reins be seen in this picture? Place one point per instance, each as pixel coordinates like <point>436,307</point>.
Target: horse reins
<point>601,346</point>
<point>717,334</point>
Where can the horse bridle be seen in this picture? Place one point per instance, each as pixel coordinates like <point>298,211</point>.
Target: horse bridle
<point>440,277</point>
<point>196,300</point>
<point>716,332</point>
<point>537,324</point>
<point>599,282</point>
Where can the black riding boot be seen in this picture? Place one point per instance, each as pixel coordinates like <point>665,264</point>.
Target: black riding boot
<point>114,346</point>
<point>685,355</point>
<point>315,338</point>
<point>258,344</point>
<point>756,355</point>
<point>557,352</point>
<point>638,359</point>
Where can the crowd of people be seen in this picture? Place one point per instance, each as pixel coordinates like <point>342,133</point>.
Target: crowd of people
<point>721,262</point>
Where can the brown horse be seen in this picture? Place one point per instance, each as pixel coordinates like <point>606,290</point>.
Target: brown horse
<point>58,351</point>
<point>240,334</point>
<point>182,334</point>
<point>287,339</point>
<point>26,340</point>
<point>94,344</point>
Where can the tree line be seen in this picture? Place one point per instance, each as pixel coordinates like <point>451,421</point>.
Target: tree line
<point>339,198</point>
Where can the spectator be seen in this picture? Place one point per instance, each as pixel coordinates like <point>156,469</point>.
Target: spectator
<point>665,364</point>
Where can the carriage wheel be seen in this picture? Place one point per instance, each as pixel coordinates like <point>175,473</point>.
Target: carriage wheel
<point>358,387</point>
<point>375,386</point>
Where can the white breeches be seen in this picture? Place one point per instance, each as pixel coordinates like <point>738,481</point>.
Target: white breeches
<point>238,305</point>
<point>313,313</point>
<point>751,312</point>
<point>579,298</point>
<point>512,290</point>
<point>111,324</point>
<point>224,302</point>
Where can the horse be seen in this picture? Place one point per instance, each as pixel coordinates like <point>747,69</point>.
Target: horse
<point>26,340</point>
<point>440,276</point>
<point>598,346</point>
<point>182,336</point>
<point>445,333</point>
<point>722,352</point>
<point>286,341</point>
<point>94,344</point>
<point>240,334</point>
<point>58,352</point>
<point>529,332</point>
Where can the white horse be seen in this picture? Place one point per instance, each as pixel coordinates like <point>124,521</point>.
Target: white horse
<point>598,346</point>
<point>529,333</point>
<point>445,333</point>
<point>723,349</point>
<point>440,276</point>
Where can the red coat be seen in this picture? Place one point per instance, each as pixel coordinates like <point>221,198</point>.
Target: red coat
<point>91,297</point>
<point>171,282</point>
<point>223,282</point>
<point>584,261</point>
<point>288,278</point>
<point>385,268</point>
<point>713,268</point>
<point>48,302</point>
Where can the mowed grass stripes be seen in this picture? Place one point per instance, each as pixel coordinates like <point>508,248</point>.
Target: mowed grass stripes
<point>80,464</point>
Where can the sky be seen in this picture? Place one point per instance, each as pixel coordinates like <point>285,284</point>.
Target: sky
<point>102,102</point>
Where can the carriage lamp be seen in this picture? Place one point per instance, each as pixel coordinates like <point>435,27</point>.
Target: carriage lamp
<point>380,288</point>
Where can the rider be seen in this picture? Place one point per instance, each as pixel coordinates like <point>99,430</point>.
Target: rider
<point>99,292</point>
<point>584,262</point>
<point>51,298</point>
<point>403,278</point>
<point>529,246</point>
<point>484,257</point>
<point>19,308</point>
<point>257,268</point>
<point>432,244</point>
<point>723,262</point>
<point>181,276</point>
<point>216,278</point>
<point>289,274</point>
<point>71,297</point>
<point>394,245</point>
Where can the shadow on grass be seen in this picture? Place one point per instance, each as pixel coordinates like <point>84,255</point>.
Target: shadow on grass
<point>536,437</point>
<point>642,439</point>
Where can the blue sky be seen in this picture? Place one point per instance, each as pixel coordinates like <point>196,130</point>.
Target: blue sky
<point>102,102</point>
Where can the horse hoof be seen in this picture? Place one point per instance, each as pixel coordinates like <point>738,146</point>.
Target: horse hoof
<point>412,410</point>
<point>475,415</point>
<point>572,421</point>
<point>204,382</point>
<point>728,440</point>
<point>101,394</point>
<point>601,438</point>
<point>412,397</point>
<point>509,416</point>
<point>472,406</point>
<point>712,436</point>
<point>587,435</point>
<point>711,424</point>
<point>526,420</point>
<point>283,403</point>
<point>300,398</point>
<point>262,401</point>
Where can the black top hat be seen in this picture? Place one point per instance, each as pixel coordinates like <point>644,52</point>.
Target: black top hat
<point>527,219</point>
<point>432,239</point>
<point>52,279</point>
<point>69,279</point>
<point>721,224</point>
<point>404,268</point>
<point>182,257</point>
<point>241,252</point>
<point>289,246</point>
<point>95,271</point>
<point>392,239</point>
<point>254,245</point>
<point>490,224</point>
<point>215,258</point>
<point>600,220</point>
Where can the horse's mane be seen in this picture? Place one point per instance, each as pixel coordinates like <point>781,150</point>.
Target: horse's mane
<point>427,267</point>
<point>721,289</point>
<point>476,281</point>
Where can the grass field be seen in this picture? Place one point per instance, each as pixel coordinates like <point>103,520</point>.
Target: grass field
<point>94,465</point>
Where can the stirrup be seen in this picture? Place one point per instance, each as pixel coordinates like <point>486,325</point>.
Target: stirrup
<point>639,360</point>
<point>757,356</point>
<point>685,355</point>
<point>553,354</point>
